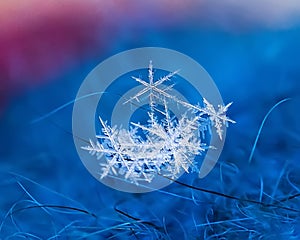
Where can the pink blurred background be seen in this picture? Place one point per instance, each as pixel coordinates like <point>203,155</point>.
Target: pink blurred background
<point>41,39</point>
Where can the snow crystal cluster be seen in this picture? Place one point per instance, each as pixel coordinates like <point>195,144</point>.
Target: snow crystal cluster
<point>170,143</point>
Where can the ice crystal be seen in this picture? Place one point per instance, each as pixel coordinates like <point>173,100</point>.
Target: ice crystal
<point>170,144</point>
<point>152,88</point>
<point>217,117</point>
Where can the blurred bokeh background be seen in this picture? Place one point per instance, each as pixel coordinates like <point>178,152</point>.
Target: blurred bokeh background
<point>250,48</point>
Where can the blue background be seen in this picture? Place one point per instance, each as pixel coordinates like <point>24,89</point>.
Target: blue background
<point>40,167</point>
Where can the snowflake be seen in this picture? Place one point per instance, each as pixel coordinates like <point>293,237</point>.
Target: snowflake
<point>218,117</point>
<point>152,88</point>
<point>169,145</point>
<point>179,141</point>
<point>168,149</point>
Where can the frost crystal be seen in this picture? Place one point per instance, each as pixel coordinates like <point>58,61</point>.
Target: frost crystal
<point>153,87</point>
<point>169,145</point>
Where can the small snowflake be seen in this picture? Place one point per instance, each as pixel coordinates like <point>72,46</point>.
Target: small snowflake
<point>218,117</point>
<point>152,88</point>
